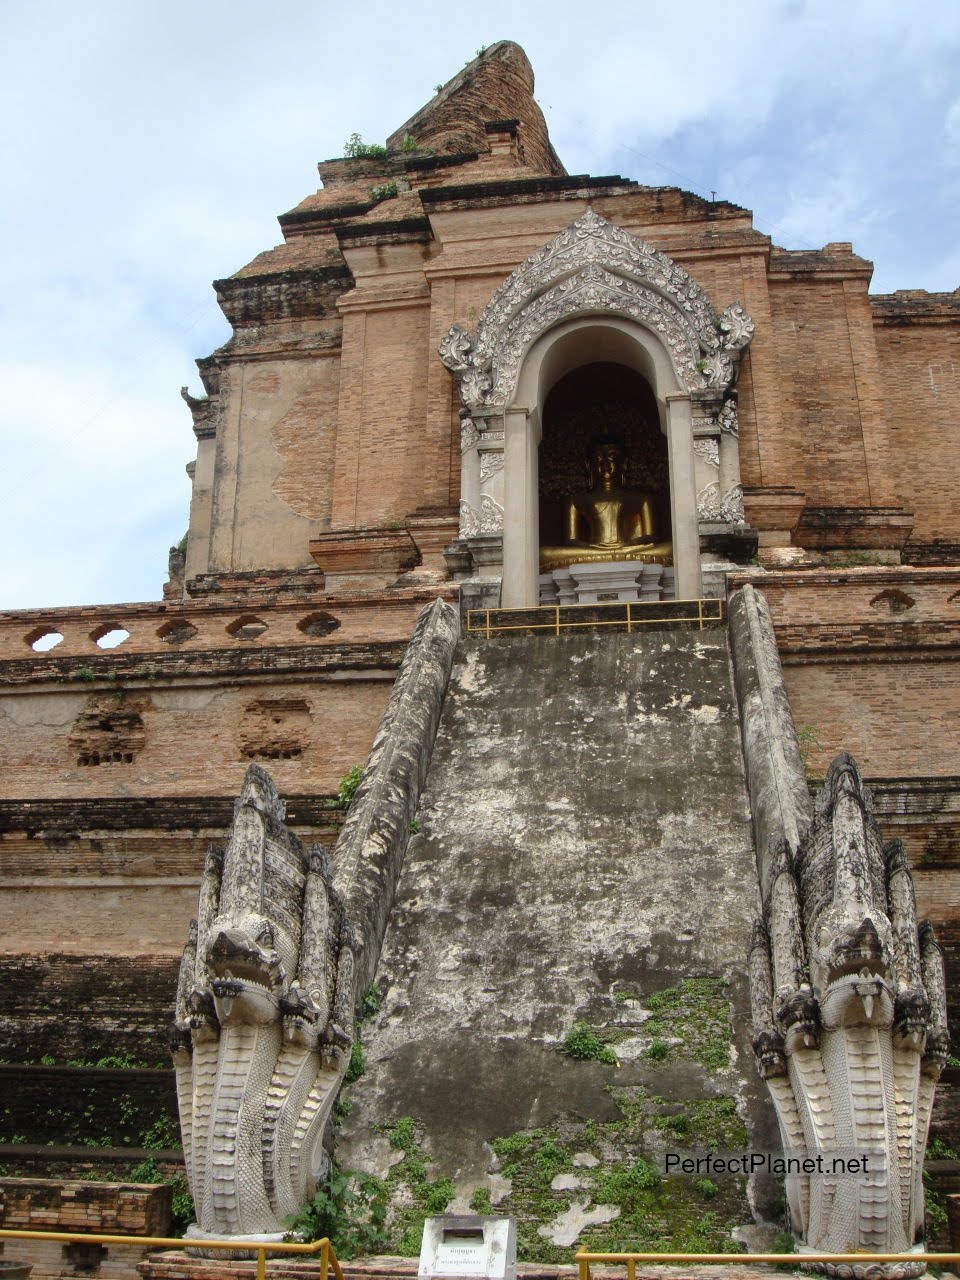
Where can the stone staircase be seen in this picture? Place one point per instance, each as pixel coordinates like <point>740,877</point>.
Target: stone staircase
<point>584,876</point>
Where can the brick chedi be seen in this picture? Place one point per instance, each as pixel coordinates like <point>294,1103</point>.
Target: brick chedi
<point>408,408</point>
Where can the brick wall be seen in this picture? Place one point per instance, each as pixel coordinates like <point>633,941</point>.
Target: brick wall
<point>895,717</point>
<point>39,1204</point>
<point>818,391</point>
<point>195,739</point>
<point>135,838</point>
<point>86,1006</point>
<point>918,338</point>
<point>87,1106</point>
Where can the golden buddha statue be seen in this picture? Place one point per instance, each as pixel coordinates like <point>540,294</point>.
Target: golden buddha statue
<point>609,522</point>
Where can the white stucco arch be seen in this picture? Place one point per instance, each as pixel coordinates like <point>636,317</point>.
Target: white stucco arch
<point>568,346</point>
<point>594,292</point>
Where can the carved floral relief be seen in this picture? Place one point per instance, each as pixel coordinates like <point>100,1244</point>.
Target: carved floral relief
<point>596,267</point>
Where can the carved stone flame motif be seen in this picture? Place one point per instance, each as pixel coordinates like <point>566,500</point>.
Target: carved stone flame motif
<point>263,1022</point>
<point>486,522</point>
<point>594,266</point>
<point>850,1027</point>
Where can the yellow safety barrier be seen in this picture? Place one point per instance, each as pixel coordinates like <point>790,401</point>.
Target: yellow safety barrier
<point>630,1260</point>
<point>328,1259</point>
<point>626,614</point>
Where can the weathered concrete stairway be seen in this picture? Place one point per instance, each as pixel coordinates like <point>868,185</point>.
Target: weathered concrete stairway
<point>585,856</point>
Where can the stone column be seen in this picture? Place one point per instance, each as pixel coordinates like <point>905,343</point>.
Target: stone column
<point>707,466</point>
<point>729,448</point>
<point>683,497</point>
<point>521,511</point>
<point>201,474</point>
<point>469,473</point>
<point>481,493</point>
<point>490,469</point>
<point>729,464</point>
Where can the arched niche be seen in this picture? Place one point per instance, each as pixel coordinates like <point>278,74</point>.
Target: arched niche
<point>594,293</point>
<point>598,401</point>
<point>568,346</point>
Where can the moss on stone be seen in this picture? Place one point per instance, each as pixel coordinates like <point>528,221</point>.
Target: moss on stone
<point>708,1122</point>
<point>412,1196</point>
<point>691,1020</point>
<point>654,1213</point>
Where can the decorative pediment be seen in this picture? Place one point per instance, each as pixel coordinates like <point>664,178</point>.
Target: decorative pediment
<point>596,268</point>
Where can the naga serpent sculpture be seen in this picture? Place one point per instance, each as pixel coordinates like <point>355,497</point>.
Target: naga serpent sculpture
<point>268,982</point>
<point>849,1015</point>
<point>264,1021</point>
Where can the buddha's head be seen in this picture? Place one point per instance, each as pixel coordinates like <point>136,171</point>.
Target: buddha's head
<point>607,463</point>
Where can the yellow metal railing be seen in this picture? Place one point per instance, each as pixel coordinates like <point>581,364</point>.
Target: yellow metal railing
<point>328,1259</point>
<point>630,1260</point>
<point>584,1259</point>
<point>626,614</point>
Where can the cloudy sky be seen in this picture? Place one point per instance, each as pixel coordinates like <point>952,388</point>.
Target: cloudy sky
<point>148,147</point>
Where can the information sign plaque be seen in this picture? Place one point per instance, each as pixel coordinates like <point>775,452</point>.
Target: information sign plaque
<point>468,1247</point>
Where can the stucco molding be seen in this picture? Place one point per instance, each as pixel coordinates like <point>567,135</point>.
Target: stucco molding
<point>714,507</point>
<point>596,268</point>
<point>481,523</point>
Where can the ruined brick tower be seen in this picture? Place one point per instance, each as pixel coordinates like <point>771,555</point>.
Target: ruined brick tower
<point>401,413</point>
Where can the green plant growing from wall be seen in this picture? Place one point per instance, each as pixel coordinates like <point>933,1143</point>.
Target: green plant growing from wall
<point>809,742</point>
<point>356,149</point>
<point>357,1065</point>
<point>480,1201</point>
<point>182,1210</point>
<point>658,1051</point>
<point>370,1003</point>
<point>583,1042</point>
<point>162,1135</point>
<point>655,1213</point>
<point>784,1242</point>
<point>693,1020</point>
<point>623,1181</point>
<point>348,786</point>
<point>350,1208</point>
<point>419,1197</point>
<point>937,1149</point>
<point>935,1215</point>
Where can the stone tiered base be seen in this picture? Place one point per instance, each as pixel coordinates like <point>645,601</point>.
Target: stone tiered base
<point>591,583</point>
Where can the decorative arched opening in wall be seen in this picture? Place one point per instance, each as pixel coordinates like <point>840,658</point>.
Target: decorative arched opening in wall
<point>594,295</point>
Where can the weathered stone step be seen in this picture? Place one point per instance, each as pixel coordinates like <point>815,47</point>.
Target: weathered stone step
<point>86,1006</point>
<point>91,1106</point>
